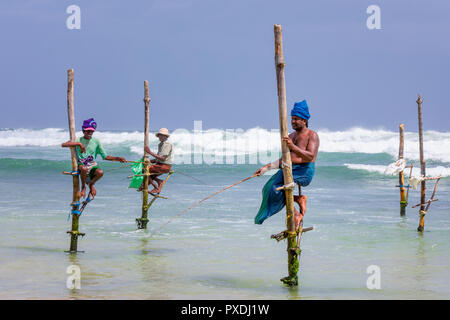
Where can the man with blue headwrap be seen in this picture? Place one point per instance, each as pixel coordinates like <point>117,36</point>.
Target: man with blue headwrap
<point>303,145</point>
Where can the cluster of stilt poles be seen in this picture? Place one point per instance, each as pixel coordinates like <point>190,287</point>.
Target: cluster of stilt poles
<point>292,235</point>
<point>424,204</point>
<point>76,197</point>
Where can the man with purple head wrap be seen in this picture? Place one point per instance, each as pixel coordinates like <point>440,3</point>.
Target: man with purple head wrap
<point>87,149</point>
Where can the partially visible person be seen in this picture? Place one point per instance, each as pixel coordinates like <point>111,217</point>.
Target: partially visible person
<point>87,149</point>
<point>163,160</point>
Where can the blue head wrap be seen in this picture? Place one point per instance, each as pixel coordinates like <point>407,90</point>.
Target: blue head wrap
<point>301,110</point>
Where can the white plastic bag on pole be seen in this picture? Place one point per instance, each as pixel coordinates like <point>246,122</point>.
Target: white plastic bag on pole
<point>395,167</point>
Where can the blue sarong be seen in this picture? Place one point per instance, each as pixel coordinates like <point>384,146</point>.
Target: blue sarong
<point>273,201</point>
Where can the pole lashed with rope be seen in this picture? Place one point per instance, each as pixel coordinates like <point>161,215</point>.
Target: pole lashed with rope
<point>293,251</point>
<point>143,220</point>
<point>74,232</point>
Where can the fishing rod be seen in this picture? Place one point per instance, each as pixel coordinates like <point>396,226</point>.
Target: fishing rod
<point>121,167</point>
<point>209,197</point>
<point>184,174</point>
<point>177,171</point>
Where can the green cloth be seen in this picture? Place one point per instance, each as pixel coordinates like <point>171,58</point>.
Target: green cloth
<point>93,148</point>
<point>136,181</point>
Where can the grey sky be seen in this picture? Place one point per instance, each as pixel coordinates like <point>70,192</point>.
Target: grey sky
<point>213,61</point>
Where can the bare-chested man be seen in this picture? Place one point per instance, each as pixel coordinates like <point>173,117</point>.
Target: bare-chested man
<point>303,145</point>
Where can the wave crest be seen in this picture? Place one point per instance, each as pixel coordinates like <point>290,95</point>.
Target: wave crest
<point>221,142</point>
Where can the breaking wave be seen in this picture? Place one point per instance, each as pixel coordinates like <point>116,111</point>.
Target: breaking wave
<point>233,142</point>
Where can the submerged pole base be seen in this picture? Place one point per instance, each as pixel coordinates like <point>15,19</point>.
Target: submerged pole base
<point>142,223</point>
<point>402,211</point>
<point>74,234</point>
<point>290,281</point>
<point>403,205</point>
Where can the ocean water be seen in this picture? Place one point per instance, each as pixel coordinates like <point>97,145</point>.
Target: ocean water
<point>215,251</point>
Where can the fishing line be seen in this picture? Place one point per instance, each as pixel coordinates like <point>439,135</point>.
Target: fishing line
<point>209,197</point>
<point>184,174</point>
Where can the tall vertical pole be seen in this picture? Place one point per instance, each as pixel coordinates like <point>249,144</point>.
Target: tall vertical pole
<point>422,167</point>
<point>74,233</point>
<point>142,222</point>
<point>293,252</point>
<point>401,177</point>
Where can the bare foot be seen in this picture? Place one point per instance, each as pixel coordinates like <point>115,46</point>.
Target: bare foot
<point>298,218</point>
<point>301,201</point>
<point>154,191</point>
<point>83,191</point>
<point>93,191</point>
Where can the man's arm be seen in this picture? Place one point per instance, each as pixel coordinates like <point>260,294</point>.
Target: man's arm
<point>111,158</point>
<point>307,154</point>
<point>70,144</point>
<point>158,157</point>
<point>273,165</point>
<point>105,156</point>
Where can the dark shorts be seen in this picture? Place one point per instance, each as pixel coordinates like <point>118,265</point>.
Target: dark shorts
<point>91,173</point>
<point>159,168</point>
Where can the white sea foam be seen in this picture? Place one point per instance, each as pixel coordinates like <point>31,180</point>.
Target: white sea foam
<point>436,144</point>
<point>238,142</point>
<point>431,171</point>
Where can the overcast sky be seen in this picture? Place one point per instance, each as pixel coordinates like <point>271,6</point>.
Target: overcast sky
<point>214,61</point>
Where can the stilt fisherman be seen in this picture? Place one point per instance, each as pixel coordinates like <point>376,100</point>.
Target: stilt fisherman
<point>162,162</point>
<point>303,144</point>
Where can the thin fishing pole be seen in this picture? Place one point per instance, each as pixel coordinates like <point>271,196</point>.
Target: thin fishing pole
<point>184,174</point>
<point>198,202</point>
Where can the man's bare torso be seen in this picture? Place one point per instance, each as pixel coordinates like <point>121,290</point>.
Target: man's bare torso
<point>306,140</point>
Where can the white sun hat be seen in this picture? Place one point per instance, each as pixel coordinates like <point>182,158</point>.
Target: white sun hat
<point>163,131</point>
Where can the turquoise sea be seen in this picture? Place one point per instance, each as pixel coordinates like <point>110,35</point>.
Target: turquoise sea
<point>215,251</point>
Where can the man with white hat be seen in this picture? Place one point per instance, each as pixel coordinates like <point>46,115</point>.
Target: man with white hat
<point>163,159</point>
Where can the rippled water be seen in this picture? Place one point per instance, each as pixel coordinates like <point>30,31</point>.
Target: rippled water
<point>215,251</point>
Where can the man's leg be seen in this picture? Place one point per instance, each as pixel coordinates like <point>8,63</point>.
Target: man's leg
<point>97,175</point>
<point>156,185</point>
<point>83,174</point>
<point>159,182</point>
<point>301,201</point>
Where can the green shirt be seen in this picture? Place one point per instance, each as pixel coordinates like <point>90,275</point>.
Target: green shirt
<point>93,148</point>
<point>165,149</point>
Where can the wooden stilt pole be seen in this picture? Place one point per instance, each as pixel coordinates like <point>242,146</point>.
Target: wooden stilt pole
<point>293,251</point>
<point>74,233</point>
<point>422,167</point>
<point>142,222</point>
<point>401,178</point>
